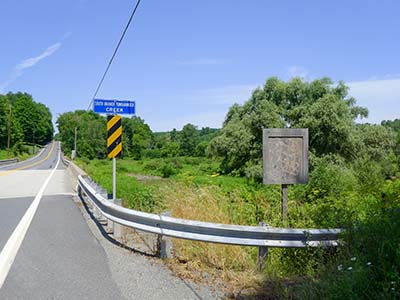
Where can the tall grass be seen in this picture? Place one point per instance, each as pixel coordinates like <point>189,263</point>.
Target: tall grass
<point>336,196</point>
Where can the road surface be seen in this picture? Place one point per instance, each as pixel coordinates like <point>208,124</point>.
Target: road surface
<point>49,250</point>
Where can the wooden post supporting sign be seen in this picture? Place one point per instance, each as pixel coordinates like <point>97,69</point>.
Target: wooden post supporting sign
<point>284,201</point>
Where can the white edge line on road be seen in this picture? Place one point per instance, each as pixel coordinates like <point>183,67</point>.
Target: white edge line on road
<point>10,250</point>
<point>24,161</point>
<point>44,195</point>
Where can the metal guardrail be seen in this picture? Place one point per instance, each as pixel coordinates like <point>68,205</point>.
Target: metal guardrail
<point>207,232</point>
<point>4,162</point>
<point>65,161</point>
<point>17,162</point>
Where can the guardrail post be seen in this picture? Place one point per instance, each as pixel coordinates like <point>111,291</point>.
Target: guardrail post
<point>164,243</point>
<point>262,252</point>
<point>110,224</point>
<point>79,190</point>
<point>118,229</point>
<point>102,220</point>
<point>96,211</point>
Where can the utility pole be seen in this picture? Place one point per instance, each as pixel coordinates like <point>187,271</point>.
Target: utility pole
<point>33,140</point>
<point>9,132</point>
<point>73,154</point>
<point>76,133</point>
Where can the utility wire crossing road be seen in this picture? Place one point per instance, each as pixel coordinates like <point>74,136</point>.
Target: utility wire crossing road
<point>50,251</point>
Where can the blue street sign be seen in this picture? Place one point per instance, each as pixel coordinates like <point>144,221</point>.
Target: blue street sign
<point>114,106</point>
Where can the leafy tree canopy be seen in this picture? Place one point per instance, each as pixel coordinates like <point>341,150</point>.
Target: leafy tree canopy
<point>395,124</point>
<point>137,137</point>
<point>28,121</point>
<point>324,108</point>
<point>188,139</point>
<point>91,133</point>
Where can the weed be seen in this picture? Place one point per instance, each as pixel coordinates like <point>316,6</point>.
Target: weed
<point>336,196</point>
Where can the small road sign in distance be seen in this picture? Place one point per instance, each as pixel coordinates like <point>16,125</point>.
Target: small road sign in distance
<point>124,107</point>
<point>114,136</point>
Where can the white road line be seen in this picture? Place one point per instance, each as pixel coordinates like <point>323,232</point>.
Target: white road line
<point>45,195</point>
<point>10,250</point>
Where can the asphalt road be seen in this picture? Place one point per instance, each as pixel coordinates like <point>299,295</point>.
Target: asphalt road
<point>59,257</point>
<point>51,248</point>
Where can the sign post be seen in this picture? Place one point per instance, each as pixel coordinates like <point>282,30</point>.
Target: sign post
<point>114,160</point>
<point>114,145</point>
<point>285,159</point>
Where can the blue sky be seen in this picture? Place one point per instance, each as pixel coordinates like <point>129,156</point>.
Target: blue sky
<point>189,61</point>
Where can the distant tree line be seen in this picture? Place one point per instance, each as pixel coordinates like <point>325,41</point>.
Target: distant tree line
<point>323,107</point>
<point>138,141</point>
<point>22,120</point>
<point>190,141</point>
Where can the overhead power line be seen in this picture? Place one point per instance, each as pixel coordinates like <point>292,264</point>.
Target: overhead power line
<point>115,52</point>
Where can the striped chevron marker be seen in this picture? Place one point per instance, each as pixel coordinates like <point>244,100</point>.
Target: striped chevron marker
<point>114,136</point>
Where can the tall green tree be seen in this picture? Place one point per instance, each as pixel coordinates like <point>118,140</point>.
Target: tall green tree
<point>28,121</point>
<point>324,108</point>
<point>91,133</point>
<point>188,139</point>
<point>34,118</point>
<point>4,121</point>
<point>137,137</point>
<point>394,124</point>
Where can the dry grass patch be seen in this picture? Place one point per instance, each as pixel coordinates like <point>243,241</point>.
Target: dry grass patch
<point>233,265</point>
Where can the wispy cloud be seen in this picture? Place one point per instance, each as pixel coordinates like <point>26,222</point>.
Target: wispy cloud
<point>30,62</point>
<point>199,62</point>
<point>66,36</point>
<point>298,71</point>
<point>202,119</point>
<point>222,95</point>
<point>20,68</point>
<point>209,106</point>
<point>381,97</point>
<point>202,107</point>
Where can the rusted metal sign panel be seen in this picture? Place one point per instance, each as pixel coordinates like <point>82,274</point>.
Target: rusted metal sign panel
<point>285,156</point>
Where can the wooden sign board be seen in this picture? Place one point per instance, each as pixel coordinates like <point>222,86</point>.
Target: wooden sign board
<point>285,156</point>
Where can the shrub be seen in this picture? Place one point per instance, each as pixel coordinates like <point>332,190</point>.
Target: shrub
<point>370,177</point>
<point>151,166</point>
<point>329,179</point>
<point>368,268</point>
<point>167,170</point>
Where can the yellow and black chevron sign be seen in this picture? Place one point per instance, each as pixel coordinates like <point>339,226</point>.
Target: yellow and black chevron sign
<point>114,136</point>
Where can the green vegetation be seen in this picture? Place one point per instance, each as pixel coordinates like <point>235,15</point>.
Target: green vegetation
<point>334,197</point>
<point>138,141</point>
<point>23,121</point>
<point>214,175</point>
<point>27,151</point>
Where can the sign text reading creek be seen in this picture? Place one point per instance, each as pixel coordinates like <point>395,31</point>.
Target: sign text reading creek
<point>114,106</point>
